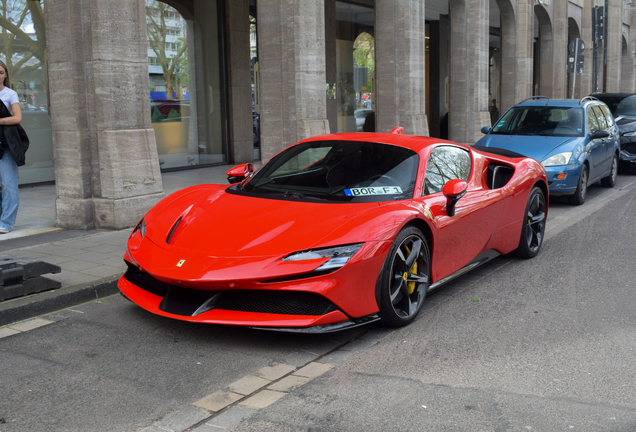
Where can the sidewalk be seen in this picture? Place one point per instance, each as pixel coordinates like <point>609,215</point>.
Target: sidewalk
<point>91,261</point>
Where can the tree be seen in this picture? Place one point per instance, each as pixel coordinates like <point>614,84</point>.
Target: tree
<point>23,53</point>
<point>157,16</point>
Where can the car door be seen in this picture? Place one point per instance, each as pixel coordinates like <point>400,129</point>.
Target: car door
<point>604,163</point>
<point>460,238</point>
<point>613,142</point>
<point>596,147</point>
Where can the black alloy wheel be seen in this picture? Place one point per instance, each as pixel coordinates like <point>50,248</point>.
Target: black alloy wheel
<point>610,180</point>
<point>405,278</point>
<point>578,197</point>
<point>533,229</point>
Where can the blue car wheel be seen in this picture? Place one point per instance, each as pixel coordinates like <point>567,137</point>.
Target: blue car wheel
<point>578,197</point>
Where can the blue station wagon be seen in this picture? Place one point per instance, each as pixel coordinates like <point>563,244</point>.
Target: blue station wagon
<point>577,141</point>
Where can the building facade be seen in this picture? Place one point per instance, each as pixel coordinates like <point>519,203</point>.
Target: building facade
<point>116,91</point>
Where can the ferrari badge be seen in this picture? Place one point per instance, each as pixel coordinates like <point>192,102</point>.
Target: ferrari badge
<point>180,263</point>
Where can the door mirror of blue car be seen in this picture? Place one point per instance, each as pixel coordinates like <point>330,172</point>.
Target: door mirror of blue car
<point>485,130</point>
<point>599,134</point>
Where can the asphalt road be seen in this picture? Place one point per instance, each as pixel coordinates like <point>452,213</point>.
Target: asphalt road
<point>550,345</point>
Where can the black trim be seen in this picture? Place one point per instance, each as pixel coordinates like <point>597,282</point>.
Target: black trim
<point>499,151</point>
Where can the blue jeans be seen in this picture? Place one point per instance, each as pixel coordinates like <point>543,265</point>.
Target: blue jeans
<point>9,197</point>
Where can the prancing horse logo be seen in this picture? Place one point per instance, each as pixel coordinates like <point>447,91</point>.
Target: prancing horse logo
<point>180,263</point>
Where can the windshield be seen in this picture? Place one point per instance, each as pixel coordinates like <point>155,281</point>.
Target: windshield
<point>544,121</point>
<point>336,171</point>
<point>626,108</point>
<point>620,106</point>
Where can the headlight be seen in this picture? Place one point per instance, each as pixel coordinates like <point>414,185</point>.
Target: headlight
<point>630,134</point>
<point>557,159</point>
<point>141,227</point>
<point>338,256</point>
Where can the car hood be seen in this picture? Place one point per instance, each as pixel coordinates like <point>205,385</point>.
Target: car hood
<point>534,146</point>
<point>625,124</point>
<point>222,224</point>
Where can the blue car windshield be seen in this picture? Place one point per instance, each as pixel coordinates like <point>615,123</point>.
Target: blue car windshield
<point>336,171</point>
<point>541,120</point>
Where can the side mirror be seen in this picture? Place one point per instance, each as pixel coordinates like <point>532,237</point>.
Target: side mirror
<point>599,134</point>
<point>485,130</point>
<point>240,173</point>
<point>453,191</point>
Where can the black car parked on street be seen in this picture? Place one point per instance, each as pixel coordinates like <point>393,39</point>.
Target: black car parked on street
<point>623,108</point>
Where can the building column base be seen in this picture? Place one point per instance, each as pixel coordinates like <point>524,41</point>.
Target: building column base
<point>105,213</point>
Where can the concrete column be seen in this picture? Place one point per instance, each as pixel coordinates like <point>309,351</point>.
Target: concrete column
<point>587,77</point>
<point>291,36</point>
<point>614,45</point>
<point>560,49</point>
<point>524,37</point>
<point>469,70</point>
<point>239,80</point>
<point>105,155</point>
<point>400,28</point>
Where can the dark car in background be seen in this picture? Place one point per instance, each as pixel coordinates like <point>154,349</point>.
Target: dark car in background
<point>623,108</point>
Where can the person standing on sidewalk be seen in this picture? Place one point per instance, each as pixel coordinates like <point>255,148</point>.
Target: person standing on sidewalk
<point>8,167</point>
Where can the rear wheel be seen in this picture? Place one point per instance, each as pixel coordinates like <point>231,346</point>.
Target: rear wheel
<point>405,278</point>
<point>610,180</point>
<point>581,189</point>
<point>533,225</point>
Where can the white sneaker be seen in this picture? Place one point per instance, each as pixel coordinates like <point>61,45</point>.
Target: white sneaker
<point>4,230</point>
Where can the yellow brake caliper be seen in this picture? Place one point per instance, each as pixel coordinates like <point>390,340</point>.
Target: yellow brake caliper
<point>411,285</point>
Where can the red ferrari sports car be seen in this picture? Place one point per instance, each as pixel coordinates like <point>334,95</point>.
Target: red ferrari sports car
<point>333,232</point>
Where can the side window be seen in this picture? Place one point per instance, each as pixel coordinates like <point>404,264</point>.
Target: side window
<point>602,123</point>
<point>608,115</point>
<point>591,118</point>
<point>446,163</point>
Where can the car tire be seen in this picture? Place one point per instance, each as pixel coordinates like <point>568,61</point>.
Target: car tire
<point>533,229</point>
<point>404,279</point>
<point>579,195</point>
<point>610,180</point>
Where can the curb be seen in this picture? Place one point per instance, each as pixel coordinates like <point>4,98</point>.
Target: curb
<point>12,311</point>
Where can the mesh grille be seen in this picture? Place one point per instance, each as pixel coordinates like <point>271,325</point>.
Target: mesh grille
<point>184,301</point>
<point>629,147</point>
<point>275,302</point>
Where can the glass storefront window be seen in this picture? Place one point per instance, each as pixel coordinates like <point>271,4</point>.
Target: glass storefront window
<point>185,85</point>
<point>355,67</point>
<point>23,50</point>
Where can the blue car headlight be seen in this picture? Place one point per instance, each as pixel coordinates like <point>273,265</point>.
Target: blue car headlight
<point>338,256</point>
<point>557,159</point>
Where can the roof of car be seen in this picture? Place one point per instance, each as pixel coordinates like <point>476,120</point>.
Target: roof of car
<point>612,94</point>
<point>414,142</point>
<point>545,101</point>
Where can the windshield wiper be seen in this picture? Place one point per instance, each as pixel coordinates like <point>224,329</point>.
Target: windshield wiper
<point>299,195</point>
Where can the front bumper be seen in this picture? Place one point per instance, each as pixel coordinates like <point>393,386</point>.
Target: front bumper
<point>566,186</point>
<point>628,149</point>
<point>299,303</point>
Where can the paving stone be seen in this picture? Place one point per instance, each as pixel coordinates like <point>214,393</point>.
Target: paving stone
<point>78,265</point>
<point>289,383</point>
<point>94,257</point>
<point>300,358</point>
<point>338,356</point>
<point>6,331</point>
<point>217,401</point>
<point>263,399</point>
<point>104,271</point>
<point>273,373</point>
<point>232,417</point>
<point>183,419</point>
<point>314,369</point>
<point>57,260</point>
<point>248,385</point>
<point>358,345</point>
<point>31,324</point>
